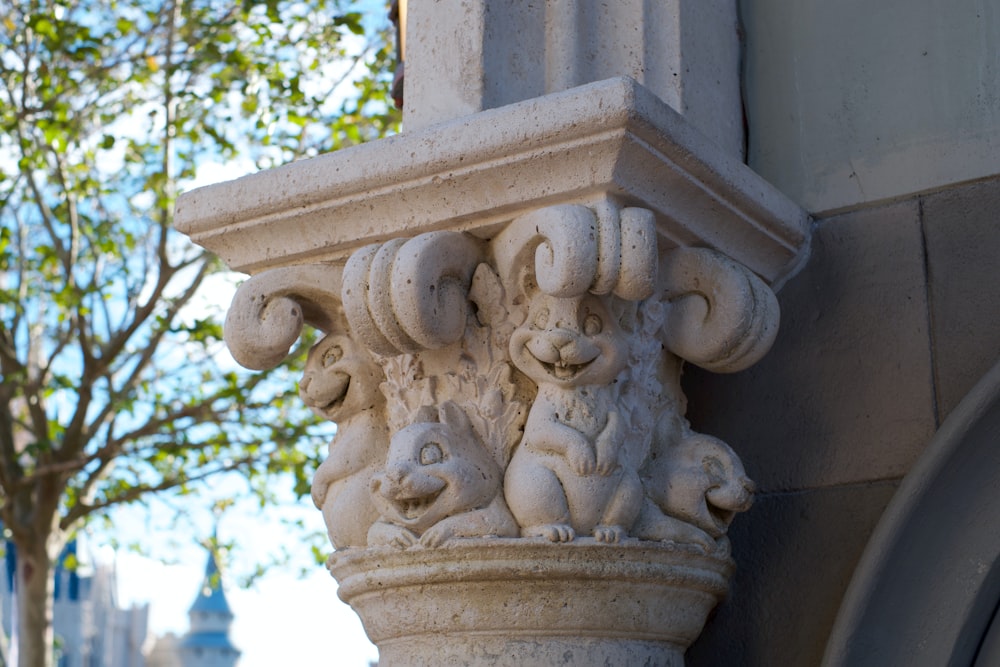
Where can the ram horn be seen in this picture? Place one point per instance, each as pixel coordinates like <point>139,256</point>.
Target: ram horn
<point>720,315</point>
<point>408,295</point>
<point>269,309</point>
<point>560,244</point>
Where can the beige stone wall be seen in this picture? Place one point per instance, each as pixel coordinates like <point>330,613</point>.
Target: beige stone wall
<point>893,320</point>
<point>853,102</point>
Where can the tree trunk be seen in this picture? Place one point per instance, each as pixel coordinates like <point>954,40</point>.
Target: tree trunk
<point>35,590</point>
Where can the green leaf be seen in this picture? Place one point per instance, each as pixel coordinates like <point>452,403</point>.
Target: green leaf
<point>90,172</point>
<point>45,28</point>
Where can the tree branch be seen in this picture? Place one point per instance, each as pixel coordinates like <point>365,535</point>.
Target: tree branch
<point>79,511</point>
<point>115,396</point>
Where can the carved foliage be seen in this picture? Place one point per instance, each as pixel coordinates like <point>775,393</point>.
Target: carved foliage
<point>528,386</point>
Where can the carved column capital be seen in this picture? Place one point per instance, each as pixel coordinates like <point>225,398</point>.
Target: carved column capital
<point>512,402</point>
<point>506,315</point>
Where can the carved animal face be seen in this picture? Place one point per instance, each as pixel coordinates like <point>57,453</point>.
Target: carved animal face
<point>568,342</point>
<point>340,379</point>
<point>706,484</point>
<point>433,471</point>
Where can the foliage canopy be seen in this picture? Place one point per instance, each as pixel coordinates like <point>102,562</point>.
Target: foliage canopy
<point>114,384</point>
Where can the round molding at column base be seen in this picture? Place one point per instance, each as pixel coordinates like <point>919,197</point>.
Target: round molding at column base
<point>517,601</point>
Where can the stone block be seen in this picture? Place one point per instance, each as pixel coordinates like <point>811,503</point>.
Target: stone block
<point>844,395</point>
<point>962,230</point>
<point>797,553</point>
<point>840,108</point>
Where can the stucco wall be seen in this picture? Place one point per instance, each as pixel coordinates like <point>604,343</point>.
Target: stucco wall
<point>894,319</point>
<point>853,102</point>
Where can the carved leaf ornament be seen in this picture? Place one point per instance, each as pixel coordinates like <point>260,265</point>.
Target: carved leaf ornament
<point>522,387</point>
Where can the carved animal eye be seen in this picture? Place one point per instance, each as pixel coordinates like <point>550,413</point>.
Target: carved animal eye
<point>542,318</point>
<point>592,324</point>
<point>332,356</point>
<point>430,454</point>
<point>714,469</point>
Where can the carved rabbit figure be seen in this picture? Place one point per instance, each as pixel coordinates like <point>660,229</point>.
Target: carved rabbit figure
<point>568,475</point>
<point>439,483</point>
<point>341,383</point>
<point>695,485</point>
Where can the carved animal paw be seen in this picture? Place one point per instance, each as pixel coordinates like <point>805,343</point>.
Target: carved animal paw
<point>704,542</point>
<point>608,445</point>
<point>723,547</point>
<point>609,534</point>
<point>555,532</point>
<point>387,534</point>
<point>435,536</point>
<point>606,466</point>
<point>581,459</point>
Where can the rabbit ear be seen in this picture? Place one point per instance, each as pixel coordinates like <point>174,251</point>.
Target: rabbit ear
<point>425,414</point>
<point>453,415</point>
<point>636,279</point>
<point>558,246</point>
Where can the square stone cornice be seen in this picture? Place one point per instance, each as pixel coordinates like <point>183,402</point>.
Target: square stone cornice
<point>610,139</point>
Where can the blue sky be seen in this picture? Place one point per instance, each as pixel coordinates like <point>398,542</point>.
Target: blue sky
<point>286,617</point>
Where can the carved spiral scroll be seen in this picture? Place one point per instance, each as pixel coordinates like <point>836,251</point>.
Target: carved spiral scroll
<point>637,279</point>
<point>269,309</point>
<point>722,317</point>
<point>576,250</point>
<point>566,256</point>
<point>410,294</point>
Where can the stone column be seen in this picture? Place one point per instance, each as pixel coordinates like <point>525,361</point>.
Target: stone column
<point>464,56</point>
<point>507,299</point>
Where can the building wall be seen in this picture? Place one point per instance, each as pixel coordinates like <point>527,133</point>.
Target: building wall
<point>853,102</point>
<point>90,628</point>
<point>883,120</point>
<point>895,318</point>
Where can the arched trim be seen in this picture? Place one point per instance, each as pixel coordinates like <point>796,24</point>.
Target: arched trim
<point>925,590</point>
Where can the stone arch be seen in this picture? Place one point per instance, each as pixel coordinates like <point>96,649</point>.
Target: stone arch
<point>927,587</point>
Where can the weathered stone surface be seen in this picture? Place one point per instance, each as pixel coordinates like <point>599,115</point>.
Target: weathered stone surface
<point>516,602</point>
<point>507,409</point>
<point>844,395</point>
<point>797,553</point>
<point>466,56</point>
<point>548,358</point>
<point>610,140</point>
<point>507,299</point>
<point>962,231</point>
<point>851,103</point>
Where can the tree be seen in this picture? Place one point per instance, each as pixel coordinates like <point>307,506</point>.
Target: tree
<point>113,387</point>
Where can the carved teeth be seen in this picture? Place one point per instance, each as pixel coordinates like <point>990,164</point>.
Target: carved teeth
<point>414,508</point>
<point>564,371</point>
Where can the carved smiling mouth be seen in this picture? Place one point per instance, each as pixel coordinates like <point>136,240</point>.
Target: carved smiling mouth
<point>563,371</point>
<point>722,517</point>
<point>339,400</point>
<point>414,508</point>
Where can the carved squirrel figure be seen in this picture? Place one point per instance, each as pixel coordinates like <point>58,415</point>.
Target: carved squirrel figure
<point>439,483</point>
<point>568,475</point>
<point>341,383</point>
<point>695,485</point>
